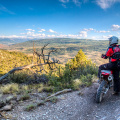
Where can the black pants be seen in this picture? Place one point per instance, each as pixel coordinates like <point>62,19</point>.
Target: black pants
<point>114,67</point>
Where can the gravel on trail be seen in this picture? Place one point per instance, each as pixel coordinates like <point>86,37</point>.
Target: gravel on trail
<point>74,106</point>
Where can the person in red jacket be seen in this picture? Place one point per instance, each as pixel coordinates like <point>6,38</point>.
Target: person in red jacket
<point>113,63</point>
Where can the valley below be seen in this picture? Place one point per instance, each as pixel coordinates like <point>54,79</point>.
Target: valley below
<point>67,48</point>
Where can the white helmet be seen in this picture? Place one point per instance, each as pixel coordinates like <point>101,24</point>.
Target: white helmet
<point>113,40</point>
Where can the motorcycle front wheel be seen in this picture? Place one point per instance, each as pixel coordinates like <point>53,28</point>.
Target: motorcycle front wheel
<point>101,91</point>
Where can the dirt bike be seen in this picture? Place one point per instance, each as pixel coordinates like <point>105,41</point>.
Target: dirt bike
<point>106,82</point>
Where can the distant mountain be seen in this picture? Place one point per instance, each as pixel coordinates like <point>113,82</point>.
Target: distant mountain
<point>10,41</point>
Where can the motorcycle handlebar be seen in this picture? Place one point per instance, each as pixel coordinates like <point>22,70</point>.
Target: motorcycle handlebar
<point>102,55</point>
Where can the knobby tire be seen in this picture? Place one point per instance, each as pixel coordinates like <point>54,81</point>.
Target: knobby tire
<point>100,94</point>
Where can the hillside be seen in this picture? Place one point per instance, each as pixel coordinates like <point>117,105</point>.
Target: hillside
<point>9,60</point>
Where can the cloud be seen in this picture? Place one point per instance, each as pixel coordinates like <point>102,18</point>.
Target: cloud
<point>32,35</point>
<point>42,30</point>
<point>23,33</point>
<point>102,31</point>
<point>104,4</point>
<point>72,36</point>
<point>4,9</point>
<point>30,30</point>
<point>77,2</point>
<point>89,29</point>
<point>52,31</point>
<point>85,31</point>
<point>83,34</point>
<point>64,1</point>
<point>64,5</point>
<point>115,27</point>
<point>50,36</point>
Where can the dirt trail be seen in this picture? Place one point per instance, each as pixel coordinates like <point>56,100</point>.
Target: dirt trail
<point>109,109</point>
<point>72,106</point>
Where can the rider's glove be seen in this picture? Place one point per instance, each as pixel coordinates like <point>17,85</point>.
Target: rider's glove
<point>104,56</point>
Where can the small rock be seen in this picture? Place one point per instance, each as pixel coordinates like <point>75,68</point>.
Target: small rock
<point>18,98</point>
<point>9,98</point>
<point>97,116</point>
<point>13,102</point>
<point>7,108</point>
<point>1,95</point>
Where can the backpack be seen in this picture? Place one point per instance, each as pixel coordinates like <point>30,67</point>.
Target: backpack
<point>116,54</point>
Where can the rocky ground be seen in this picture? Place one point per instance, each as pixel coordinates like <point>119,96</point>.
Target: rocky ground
<point>77,105</point>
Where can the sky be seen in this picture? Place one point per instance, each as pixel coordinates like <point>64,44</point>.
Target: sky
<point>38,19</point>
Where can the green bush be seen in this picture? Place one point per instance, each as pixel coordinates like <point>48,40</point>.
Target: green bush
<point>65,80</point>
<point>20,76</point>
<point>77,72</point>
<point>86,80</point>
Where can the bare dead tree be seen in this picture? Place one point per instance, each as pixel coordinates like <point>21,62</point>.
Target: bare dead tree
<point>41,56</point>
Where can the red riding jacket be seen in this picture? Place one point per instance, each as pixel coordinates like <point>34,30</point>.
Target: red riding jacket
<point>110,51</point>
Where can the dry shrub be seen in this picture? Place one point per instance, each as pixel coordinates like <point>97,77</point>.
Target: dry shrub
<point>9,88</point>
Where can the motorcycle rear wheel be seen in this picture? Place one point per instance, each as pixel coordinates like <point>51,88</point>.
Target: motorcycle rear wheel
<point>101,91</point>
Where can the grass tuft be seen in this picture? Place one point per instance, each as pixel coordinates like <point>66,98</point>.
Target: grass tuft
<point>30,107</point>
<point>10,88</point>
